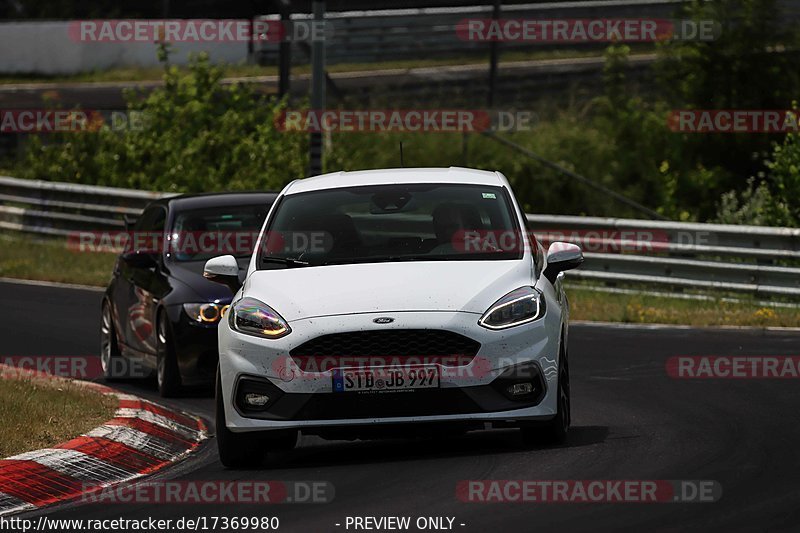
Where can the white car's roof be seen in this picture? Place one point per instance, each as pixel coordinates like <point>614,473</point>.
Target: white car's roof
<point>395,176</point>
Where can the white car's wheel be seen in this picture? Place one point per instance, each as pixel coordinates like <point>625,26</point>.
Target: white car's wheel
<point>237,450</point>
<point>554,431</point>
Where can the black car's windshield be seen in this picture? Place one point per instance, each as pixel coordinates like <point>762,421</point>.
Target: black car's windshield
<point>391,223</point>
<point>200,234</point>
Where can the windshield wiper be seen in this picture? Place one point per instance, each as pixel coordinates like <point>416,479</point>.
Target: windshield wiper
<point>288,261</point>
<point>381,259</point>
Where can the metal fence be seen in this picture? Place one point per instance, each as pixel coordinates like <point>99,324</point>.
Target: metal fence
<point>401,34</point>
<point>762,261</point>
<point>61,209</point>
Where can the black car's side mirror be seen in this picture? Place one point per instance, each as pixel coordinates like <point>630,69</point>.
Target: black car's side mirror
<point>140,259</point>
<point>223,269</point>
<point>130,221</point>
<point>562,256</point>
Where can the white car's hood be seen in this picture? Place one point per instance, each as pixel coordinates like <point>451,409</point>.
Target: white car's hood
<point>468,286</point>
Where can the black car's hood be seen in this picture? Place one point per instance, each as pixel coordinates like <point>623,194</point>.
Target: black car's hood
<point>198,288</point>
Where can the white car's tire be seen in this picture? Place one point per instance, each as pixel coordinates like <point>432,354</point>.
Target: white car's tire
<point>554,431</point>
<point>237,450</point>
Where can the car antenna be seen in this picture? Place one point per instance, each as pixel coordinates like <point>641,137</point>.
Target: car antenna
<point>401,155</point>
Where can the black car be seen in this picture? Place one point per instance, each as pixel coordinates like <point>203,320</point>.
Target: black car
<point>159,313</point>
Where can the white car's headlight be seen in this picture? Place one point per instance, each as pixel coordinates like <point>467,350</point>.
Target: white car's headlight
<point>206,313</point>
<point>520,306</point>
<point>254,317</point>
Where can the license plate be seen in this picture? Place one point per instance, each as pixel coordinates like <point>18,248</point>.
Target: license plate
<point>385,379</point>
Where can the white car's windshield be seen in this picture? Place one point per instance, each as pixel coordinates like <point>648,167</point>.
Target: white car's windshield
<point>369,224</point>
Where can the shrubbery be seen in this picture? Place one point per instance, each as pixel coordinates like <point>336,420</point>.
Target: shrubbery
<point>206,136</point>
<point>199,135</point>
<point>773,199</point>
<point>752,65</point>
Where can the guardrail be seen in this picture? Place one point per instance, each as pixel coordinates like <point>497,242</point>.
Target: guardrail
<point>55,208</point>
<point>762,261</point>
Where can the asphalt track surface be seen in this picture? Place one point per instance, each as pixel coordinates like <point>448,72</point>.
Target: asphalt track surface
<point>560,74</point>
<point>630,421</point>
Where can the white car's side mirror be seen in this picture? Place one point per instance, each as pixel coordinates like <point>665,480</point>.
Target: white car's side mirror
<point>223,269</point>
<point>562,256</point>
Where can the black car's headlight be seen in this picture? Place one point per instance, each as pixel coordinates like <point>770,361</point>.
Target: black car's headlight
<point>206,313</point>
<point>520,306</point>
<point>254,317</point>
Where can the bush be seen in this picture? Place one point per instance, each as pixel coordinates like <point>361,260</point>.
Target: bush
<point>752,64</point>
<point>199,135</point>
<point>205,136</point>
<point>572,139</point>
<point>774,200</point>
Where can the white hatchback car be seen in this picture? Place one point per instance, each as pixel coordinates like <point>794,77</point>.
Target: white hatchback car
<point>408,299</point>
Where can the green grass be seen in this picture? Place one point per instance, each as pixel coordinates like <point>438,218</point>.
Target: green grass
<point>50,260</point>
<point>246,70</point>
<point>645,309</point>
<point>38,413</point>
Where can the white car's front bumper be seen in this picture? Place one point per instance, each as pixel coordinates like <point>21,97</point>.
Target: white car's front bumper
<point>536,343</point>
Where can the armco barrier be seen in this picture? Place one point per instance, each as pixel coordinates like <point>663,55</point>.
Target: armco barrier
<point>719,257</point>
<point>54,208</point>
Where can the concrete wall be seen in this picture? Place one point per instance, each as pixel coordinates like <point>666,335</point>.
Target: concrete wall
<point>46,48</point>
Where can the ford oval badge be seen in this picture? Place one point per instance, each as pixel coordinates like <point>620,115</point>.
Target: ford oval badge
<point>384,320</point>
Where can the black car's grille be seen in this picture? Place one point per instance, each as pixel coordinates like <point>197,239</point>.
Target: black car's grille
<point>378,348</point>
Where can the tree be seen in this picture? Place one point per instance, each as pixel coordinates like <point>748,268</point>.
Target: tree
<point>196,135</point>
<point>752,64</point>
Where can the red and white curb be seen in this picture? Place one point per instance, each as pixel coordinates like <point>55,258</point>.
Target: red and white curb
<point>143,437</point>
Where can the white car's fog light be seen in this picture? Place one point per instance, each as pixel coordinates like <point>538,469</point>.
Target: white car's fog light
<point>521,383</point>
<point>256,400</point>
<point>518,389</point>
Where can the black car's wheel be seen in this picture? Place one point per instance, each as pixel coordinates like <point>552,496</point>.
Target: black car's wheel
<point>167,373</point>
<point>554,431</point>
<point>110,356</point>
